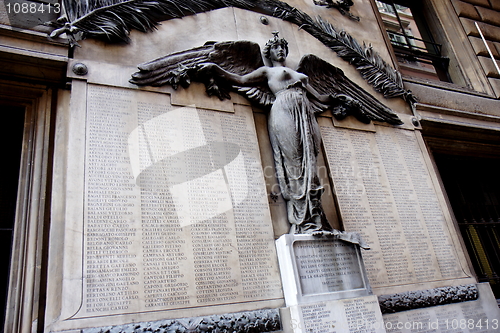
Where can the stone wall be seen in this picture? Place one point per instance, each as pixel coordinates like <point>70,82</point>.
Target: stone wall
<point>487,15</point>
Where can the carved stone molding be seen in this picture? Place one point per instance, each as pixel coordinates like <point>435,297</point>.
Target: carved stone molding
<point>426,298</point>
<point>245,322</point>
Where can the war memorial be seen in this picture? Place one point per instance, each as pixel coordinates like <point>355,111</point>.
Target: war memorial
<point>243,166</point>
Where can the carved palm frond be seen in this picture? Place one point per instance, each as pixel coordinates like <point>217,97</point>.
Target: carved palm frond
<point>372,67</point>
<point>113,19</point>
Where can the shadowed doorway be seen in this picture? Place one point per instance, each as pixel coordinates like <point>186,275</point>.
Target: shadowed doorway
<point>473,187</point>
<point>12,138</point>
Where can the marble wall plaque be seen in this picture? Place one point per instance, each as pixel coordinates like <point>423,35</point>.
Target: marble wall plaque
<point>175,211</point>
<point>361,314</point>
<point>386,193</point>
<point>325,266</point>
<point>315,269</point>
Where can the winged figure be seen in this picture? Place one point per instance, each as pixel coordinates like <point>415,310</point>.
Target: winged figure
<point>293,98</point>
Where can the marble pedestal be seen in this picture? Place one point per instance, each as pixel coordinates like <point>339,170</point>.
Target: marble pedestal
<point>325,286</point>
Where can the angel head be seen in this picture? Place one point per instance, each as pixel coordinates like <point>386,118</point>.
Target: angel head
<point>276,49</point>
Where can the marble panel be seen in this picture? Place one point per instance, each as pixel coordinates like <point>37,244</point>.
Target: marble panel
<point>361,314</point>
<point>171,36</point>
<point>387,192</point>
<point>174,213</point>
<point>315,269</point>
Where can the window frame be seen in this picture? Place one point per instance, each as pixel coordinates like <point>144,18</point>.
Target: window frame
<point>429,54</point>
<point>465,70</point>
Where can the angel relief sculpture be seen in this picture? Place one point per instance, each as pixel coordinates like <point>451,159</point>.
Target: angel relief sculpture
<point>294,98</point>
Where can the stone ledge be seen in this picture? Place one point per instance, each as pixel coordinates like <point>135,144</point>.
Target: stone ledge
<point>483,3</point>
<point>489,16</point>
<point>495,83</point>
<point>480,48</point>
<point>489,67</point>
<point>495,4</point>
<point>467,10</point>
<point>454,98</point>
<point>490,32</point>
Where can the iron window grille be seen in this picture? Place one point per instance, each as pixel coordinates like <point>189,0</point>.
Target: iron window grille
<point>409,48</point>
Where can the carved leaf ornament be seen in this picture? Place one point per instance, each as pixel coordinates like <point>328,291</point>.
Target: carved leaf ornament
<point>112,20</point>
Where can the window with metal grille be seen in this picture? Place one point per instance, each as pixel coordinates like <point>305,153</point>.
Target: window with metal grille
<point>412,40</point>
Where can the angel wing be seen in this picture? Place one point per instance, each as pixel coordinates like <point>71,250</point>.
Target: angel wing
<point>181,68</point>
<point>330,80</point>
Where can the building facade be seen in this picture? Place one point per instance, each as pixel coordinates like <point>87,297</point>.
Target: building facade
<point>87,217</point>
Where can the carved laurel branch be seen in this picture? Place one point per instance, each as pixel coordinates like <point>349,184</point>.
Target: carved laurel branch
<point>113,20</point>
<point>243,322</point>
<point>426,298</point>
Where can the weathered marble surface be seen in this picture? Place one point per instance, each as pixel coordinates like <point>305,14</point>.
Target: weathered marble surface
<point>361,314</point>
<point>173,213</point>
<point>320,269</point>
<point>388,192</point>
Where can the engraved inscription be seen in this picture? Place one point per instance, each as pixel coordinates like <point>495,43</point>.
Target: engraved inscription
<point>317,318</point>
<point>111,269</point>
<point>175,209</point>
<point>349,315</point>
<point>325,266</point>
<point>386,194</point>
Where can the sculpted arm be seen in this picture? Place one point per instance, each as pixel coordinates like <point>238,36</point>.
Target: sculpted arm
<point>257,76</point>
<point>326,99</point>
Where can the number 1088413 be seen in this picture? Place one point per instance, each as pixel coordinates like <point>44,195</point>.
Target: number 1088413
<point>32,8</point>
